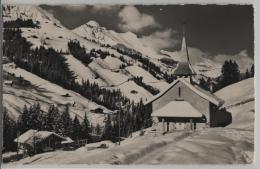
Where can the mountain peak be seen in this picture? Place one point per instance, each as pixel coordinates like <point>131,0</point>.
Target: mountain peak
<point>92,23</point>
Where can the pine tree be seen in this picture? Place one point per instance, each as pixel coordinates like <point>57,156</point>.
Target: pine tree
<point>252,70</point>
<point>108,133</point>
<point>50,119</point>
<point>247,75</point>
<point>9,132</point>
<point>230,72</point>
<point>98,129</point>
<point>86,129</point>
<point>77,133</point>
<point>24,120</point>
<point>66,123</point>
<point>34,117</point>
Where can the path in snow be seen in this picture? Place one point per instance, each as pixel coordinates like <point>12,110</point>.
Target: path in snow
<point>212,146</point>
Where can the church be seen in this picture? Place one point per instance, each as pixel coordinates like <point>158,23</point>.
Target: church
<point>184,104</point>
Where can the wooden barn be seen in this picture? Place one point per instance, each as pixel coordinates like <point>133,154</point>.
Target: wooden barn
<point>184,103</point>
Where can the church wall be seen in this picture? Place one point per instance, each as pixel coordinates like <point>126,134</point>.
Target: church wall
<point>187,94</point>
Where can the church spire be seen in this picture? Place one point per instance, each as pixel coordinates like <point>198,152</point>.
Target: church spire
<point>183,44</point>
<point>184,48</point>
<point>184,67</point>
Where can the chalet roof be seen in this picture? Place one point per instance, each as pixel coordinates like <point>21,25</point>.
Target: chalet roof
<point>201,92</point>
<point>25,136</point>
<point>177,109</point>
<point>31,136</point>
<point>8,82</point>
<point>68,140</point>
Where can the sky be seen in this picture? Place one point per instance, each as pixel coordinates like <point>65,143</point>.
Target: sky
<point>214,29</point>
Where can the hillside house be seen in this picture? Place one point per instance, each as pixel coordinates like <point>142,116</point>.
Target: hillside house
<point>8,82</point>
<point>185,104</point>
<point>33,141</point>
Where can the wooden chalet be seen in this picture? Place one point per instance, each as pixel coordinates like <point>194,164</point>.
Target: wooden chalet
<point>33,141</point>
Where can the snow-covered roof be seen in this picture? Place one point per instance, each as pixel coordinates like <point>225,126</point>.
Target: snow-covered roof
<point>31,136</point>
<point>45,134</point>
<point>25,136</point>
<point>68,140</point>
<point>201,92</point>
<point>8,82</point>
<point>177,109</point>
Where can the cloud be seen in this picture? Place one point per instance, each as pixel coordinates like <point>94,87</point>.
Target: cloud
<point>75,8</point>
<point>242,59</point>
<point>161,39</point>
<point>133,20</point>
<point>103,7</point>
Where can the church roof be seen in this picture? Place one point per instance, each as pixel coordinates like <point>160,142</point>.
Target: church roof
<point>201,92</point>
<point>184,68</point>
<point>177,109</point>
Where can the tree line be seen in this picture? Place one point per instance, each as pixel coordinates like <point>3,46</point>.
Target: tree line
<point>132,118</point>
<point>79,52</point>
<point>139,81</point>
<point>46,63</point>
<point>230,74</point>
<point>18,23</point>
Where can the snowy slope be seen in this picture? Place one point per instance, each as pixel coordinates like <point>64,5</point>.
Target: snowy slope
<point>237,93</point>
<point>118,80</point>
<point>147,77</point>
<point>45,93</point>
<point>52,34</point>
<point>239,101</point>
<point>82,72</point>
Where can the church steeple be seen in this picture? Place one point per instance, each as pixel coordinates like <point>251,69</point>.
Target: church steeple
<point>184,67</point>
<point>183,44</point>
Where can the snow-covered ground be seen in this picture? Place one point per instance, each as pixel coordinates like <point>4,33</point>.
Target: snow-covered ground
<point>209,146</point>
<point>82,72</point>
<point>119,80</point>
<point>233,144</point>
<point>240,102</point>
<point>45,93</point>
<point>237,93</point>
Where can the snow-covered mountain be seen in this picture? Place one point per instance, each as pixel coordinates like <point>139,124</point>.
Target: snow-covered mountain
<point>105,72</point>
<point>202,63</point>
<point>96,33</point>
